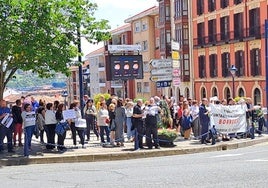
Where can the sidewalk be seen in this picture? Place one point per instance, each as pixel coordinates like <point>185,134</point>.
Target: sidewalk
<point>95,152</point>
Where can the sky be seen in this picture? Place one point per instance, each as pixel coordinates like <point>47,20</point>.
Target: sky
<point>116,11</point>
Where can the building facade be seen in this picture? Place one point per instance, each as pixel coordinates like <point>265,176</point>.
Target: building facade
<point>229,33</point>
<point>144,29</point>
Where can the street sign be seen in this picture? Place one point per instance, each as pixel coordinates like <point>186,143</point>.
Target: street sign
<point>163,71</point>
<point>176,72</point>
<point>175,55</point>
<point>124,47</point>
<point>176,81</point>
<point>163,84</point>
<point>176,63</point>
<point>161,63</point>
<point>175,45</point>
<point>161,78</point>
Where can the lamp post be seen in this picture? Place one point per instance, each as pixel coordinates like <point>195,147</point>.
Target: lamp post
<point>86,76</point>
<point>233,70</point>
<point>65,94</point>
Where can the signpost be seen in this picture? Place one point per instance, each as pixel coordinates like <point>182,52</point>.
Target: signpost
<point>161,63</point>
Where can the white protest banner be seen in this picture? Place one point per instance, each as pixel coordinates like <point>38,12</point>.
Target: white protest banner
<point>228,119</point>
<point>68,114</point>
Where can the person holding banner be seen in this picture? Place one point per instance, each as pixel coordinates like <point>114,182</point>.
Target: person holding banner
<point>204,120</point>
<point>5,128</point>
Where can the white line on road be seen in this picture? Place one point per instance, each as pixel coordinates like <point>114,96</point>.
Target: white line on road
<point>258,160</point>
<point>226,155</point>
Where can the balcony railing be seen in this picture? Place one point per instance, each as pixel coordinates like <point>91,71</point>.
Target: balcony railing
<point>256,32</point>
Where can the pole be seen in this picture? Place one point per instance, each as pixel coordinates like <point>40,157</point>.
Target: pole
<point>266,59</point>
<point>233,86</point>
<point>81,92</point>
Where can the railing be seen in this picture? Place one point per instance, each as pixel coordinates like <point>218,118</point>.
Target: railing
<point>256,32</point>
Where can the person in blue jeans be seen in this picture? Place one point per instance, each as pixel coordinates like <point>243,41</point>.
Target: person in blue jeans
<point>28,117</point>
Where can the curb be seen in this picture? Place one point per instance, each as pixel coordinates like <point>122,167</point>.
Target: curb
<point>125,155</point>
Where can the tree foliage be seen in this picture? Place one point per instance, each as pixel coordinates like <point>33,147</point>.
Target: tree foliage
<point>43,35</point>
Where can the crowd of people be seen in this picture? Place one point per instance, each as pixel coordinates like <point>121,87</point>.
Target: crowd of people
<point>110,120</point>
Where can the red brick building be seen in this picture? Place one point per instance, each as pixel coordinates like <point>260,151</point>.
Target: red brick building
<point>226,33</point>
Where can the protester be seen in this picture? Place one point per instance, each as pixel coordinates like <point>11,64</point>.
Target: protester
<point>129,113</point>
<point>90,112</point>
<point>75,127</point>
<point>138,124</point>
<point>40,122</point>
<point>102,117</point>
<point>151,133</point>
<point>29,120</point>
<point>17,121</point>
<point>120,117</point>
<point>204,121</point>
<point>5,131</point>
<point>50,120</point>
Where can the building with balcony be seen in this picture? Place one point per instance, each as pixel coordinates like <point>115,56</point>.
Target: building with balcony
<point>97,75</point>
<point>226,33</point>
<point>144,29</point>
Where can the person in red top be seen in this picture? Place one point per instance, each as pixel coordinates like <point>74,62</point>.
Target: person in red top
<point>179,114</point>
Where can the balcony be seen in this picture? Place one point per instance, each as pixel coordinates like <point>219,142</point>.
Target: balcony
<point>251,33</point>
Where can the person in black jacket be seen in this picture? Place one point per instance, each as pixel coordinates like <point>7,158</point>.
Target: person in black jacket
<point>17,121</point>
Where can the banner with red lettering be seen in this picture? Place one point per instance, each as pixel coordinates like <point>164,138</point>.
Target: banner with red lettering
<point>228,119</point>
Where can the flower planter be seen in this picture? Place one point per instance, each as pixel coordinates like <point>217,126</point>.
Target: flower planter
<point>166,137</point>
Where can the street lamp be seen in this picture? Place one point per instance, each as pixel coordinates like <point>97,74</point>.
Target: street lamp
<point>86,76</point>
<point>233,70</point>
<point>65,94</point>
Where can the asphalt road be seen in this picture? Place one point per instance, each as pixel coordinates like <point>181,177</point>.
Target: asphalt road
<point>245,167</point>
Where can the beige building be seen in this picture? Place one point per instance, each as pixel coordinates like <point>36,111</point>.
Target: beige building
<point>144,26</point>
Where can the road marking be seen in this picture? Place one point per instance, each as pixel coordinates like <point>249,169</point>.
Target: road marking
<point>226,155</point>
<point>258,160</point>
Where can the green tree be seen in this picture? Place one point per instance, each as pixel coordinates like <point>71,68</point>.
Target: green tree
<point>43,35</point>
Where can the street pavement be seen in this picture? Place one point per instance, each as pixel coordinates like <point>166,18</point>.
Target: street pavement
<point>94,151</point>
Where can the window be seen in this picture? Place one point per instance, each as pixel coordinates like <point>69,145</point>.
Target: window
<point>225,63</point>
<point>214,92</point>
<point>185,37</point>
<point>144,45</point>
<point>224,3</point>
<point>162,39</point>
<point>203,93</point>
<point>254,22</point>
<point>167,13</point>
<point>255,62</point>
<point>144,26</point>
<point>168,35</point>
<point>146,87</point>
<point>213,65</point>
<point>241,92</point>
<point>157,43</point>
<point>237,1</point>
<point>212,31</point>
<point>257,96</point>
<point>225,28</point>
<point>211,5</point>
<point>239,63</point>
<point>138,87</point>
<point>137,27</point>
<point>201,33</point>
<point>200,7</point>
<point>202,66</point>
<point>161,13</point>
<point>186,68</point>
<point>238,25</point>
